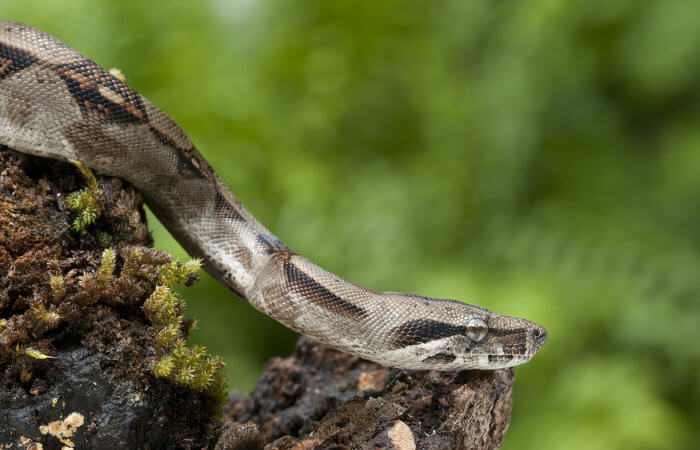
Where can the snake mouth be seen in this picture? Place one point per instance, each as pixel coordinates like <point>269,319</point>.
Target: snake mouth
<point>518,350</point>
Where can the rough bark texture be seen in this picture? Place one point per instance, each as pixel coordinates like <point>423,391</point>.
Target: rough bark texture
<point>97,390</point>
<point>322,398</point>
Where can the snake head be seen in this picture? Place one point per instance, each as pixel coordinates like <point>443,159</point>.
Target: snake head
<point>451,335</point>
<point>495,341</point>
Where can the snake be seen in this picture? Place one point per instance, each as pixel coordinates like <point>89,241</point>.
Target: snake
<point>56,103</point>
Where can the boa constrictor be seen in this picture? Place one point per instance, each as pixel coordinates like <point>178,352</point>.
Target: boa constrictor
<point>56,103</point>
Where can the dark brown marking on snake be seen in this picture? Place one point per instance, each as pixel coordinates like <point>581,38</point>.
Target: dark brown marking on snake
<point>440,358</point>
<point>280,303</point>
<point>22,108</point>
<point>100,95</point>
<point>275,247</point>
<point>189,163</point>
<point>505,331</point>
<point>300,282</point>
<point>283,256</point>
<point>12,60</point>
<point>225,208</point>
<point>421,331</point>
<point>514,338</point>
<point>245,256</point>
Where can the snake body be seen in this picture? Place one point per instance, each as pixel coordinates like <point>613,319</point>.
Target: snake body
<point>56,103</point>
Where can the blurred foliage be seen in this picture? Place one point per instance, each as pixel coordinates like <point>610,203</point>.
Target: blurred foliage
<point>538,158</point>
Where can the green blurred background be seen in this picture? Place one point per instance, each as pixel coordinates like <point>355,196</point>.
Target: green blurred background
<point>539,158</point>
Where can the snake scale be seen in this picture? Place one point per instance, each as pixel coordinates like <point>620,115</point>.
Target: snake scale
<point>56,103</point>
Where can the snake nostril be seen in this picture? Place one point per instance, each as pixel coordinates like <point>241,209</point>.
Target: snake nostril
<point>539,334</point>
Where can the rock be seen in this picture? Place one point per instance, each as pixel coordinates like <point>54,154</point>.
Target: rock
<point>240,436</point>
<point>323,398</point>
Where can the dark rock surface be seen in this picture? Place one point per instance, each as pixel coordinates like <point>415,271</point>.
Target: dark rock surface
<point>96,389</point>
<point>322,398</point>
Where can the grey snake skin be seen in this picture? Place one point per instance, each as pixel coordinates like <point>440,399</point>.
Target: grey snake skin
<point>56,103</point>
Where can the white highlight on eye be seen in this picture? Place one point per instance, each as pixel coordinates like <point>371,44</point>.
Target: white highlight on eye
<point>476,329</point>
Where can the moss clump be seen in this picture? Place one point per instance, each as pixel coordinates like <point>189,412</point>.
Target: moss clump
<point>163,307</point>
<point>106,270</point>
<point>164,367</point>
<point>103,238</point>
<point>86,202</point>
<point>43,317</point>
<point>126,269</point>
<point>169,334</point>
<point>141,262</point>
<point>188,366</point>
<point>193,367</point>
<point>177,272</point>
<point>58,286</point>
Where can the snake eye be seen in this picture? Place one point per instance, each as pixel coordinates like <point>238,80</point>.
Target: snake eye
<point>476,330</point>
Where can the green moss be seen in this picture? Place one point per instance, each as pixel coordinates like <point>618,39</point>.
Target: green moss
<point>162,307</point>
<point>43,317</point>
<point>95,293</point>
<point>103,238</point>
<point>106,270</point>
<point>132,261</point>
<point>164,367</point>
<point>194,368</point>
<point>168,334</point>
<point>177,272</point>
<point>85,202</point>
<point>187,366</point>
<point>141,262</point>
<point>58,286</point>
